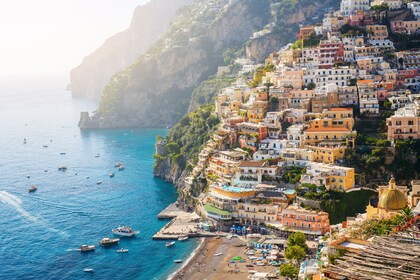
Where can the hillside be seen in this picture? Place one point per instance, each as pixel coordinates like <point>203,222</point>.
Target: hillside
<point>149,21</point>
<point>156,90</point>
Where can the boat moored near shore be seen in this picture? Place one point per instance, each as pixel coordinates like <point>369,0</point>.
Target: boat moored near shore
<point>125,231</point>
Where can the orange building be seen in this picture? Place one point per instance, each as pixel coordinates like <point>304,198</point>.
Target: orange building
<point>308,221</point>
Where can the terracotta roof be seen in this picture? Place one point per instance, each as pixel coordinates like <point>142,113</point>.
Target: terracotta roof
<point>321,129</point>
<point>252,164</point>
<point>340,109</point>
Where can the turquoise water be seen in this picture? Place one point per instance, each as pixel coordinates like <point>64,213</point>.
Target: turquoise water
<point>39,230</point>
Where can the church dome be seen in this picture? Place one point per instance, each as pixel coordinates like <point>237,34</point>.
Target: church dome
<point>392,198</point>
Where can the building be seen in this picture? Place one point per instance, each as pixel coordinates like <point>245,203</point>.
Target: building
<point>294,218</point>
<point>408,59</point>
<point>405,27</point>
<point>330,52</point>
<point>348,7</point>
<point>392,4</point>
<point>368,97</point>
<point>251,173</point>
<point>339,76</point>
<point>405,123</point>
<point>377,32</point>
<point>295,134</point>
<point>338,135</point>
<point>269,149</point>
<point>415,8</point>
<point>296,157</point>
<point>259,210</point>
<point>392,199</point>
<point>333,177</point>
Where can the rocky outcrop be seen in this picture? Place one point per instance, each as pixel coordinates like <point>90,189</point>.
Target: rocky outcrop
<point>149,22</point>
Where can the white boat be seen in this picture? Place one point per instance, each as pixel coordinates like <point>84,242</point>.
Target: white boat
<point>177,261</point>
<point>121,168</point>
<point>87,248</point>
<point>87,269</point>
<point>122,250</point>
<point>124,231</point>
<point>118,164</point>
<point>182,237</point>
<point>170,244</point>
<point>111,175</point>
<point>108,241</point>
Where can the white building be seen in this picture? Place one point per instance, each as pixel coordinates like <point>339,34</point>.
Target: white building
<point>392,4</point>
<point>415,8</point>
<point>368,99</point>
<point>398,101</point>
<point>321,77</point>
<point>269,149</point>
<point>347,7</point>
<point>383,44</point>
<point>295,134</point>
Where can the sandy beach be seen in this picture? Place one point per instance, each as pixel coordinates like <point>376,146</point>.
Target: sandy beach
<point>207,264</point>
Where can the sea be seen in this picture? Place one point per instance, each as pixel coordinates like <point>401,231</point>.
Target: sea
<point>40,231</point>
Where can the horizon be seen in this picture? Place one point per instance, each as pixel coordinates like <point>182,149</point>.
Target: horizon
<point>39,43</point>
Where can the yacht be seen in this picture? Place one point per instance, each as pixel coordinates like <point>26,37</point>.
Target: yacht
<point>177,261</point>
<point>124,231</point>
<point>87,269</point>
<point>87,248</point>
<point>111,175</point>
<point>170,244</point>
<point>108,241</point>
<point>118,164</point>
<point>32,189</point>
<point>121,167</point>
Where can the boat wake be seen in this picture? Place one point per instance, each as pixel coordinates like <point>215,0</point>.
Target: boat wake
<point>16,202</point>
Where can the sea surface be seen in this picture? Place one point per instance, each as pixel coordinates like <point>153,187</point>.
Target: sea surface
<point>39,231</point>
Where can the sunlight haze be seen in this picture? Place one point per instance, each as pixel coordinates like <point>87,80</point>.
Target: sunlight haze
<point>47,36</point>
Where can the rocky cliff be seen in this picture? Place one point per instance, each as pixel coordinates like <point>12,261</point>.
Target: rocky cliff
<point>149,21</point>
<point>155,91</point>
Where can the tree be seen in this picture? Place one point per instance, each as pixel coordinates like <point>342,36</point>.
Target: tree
<point>289,271</point>
<point>311,85</point>
<point>294,252</point>
<point>298,239</point>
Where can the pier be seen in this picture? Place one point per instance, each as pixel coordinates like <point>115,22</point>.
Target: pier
<point>182,223</point>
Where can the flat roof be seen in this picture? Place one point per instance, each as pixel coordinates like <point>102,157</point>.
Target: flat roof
<point>352,245</point>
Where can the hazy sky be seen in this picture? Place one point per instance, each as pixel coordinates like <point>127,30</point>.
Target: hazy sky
<point>52,36</point>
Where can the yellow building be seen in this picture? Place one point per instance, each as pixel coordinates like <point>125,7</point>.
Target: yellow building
<point>253,212</point>
<point>327,153</point>
<point>392,199</point>
<point>333,177</point>
<point>313,136</point>
<point>377,32</point>
<point>256,112</point>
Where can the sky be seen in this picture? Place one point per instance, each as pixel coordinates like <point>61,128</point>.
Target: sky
<point>42,37</point>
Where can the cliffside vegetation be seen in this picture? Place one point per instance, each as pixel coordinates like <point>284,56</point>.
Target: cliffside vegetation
<point>187,137</point>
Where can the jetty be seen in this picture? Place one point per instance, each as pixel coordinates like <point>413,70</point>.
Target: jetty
<point>182,223</point>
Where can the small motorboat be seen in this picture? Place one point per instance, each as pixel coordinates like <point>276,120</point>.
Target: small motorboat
<point>118,164</point>
<point>62,168</point>
<point>87,248</point>
<point>111,175</point>
<point>32,189</point>
<point>170,244</point>
<point>62,154</point>
<point>46,170</point>
<point>122,250</point>
<point>28,176</point>
<point>106,242</point>
<point>45,146</point>
<point>88,269</point>
<point>98,183</point>
<point>124,231</point>
<point>177,261</point>
<point>218,254</point>
<point>182,237</point>
<point>121,168</point>
<point>97,155</point>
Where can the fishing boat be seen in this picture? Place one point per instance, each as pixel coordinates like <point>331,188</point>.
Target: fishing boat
<point>122,250</point>
<point>87,248</point>
<point>170,244</point>
<point>88,269</point>
<point>124,231</point>
<point>182,237</point>
<point>111,175</point>
<point>177,261</point>
<point>32,189</point>
<point>106,242</point>
<point>118,164</point>
<point>62,168</point>
<point>121,168</point>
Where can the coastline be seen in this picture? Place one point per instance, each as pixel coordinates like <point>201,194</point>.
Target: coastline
<point>193,256</point>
